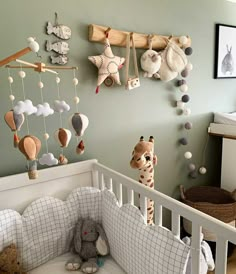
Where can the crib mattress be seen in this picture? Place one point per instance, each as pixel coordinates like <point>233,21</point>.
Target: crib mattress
<point>57,266</point>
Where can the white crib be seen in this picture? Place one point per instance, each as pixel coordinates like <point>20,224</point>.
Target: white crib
<point>17,192</point>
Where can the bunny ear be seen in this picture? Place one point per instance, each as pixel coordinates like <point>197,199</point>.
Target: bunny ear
<point>77,236</point>
<point>206,250</point>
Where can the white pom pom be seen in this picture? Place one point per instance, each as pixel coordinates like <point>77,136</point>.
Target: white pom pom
<point>183,40</point>
<point>202,170</point>
<point>187,111</point>
<point>184,88</point>
<point>10,79</point>
<point>75,81</point>
<point>189,67</point>
<point>12,97</point>
<point>40,84</point>
<point>22,74</point>
<point>46,136</point>
<point>30,39</point>
<point>58,80</point>
<point>34,46</point>
<point>188,155</point>
<point>180,104</point>
<point>76,99</point>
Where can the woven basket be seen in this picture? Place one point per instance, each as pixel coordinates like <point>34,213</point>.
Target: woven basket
<point>214,201</point>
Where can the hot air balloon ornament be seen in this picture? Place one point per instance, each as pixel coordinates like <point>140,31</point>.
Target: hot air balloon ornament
<point>62,136</point>
<point>14,121</point>
<point>30,147</point>
<point>79,123</point>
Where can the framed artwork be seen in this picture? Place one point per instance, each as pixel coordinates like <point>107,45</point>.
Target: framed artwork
<point>225,51</point>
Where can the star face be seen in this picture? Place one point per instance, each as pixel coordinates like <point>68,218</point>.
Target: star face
<point>108,64</point>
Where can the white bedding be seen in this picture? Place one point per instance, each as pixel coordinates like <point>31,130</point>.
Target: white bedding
<point>57,266</point>
<point>225,118</point>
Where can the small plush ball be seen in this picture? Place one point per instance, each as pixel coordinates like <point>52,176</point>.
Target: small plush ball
<point>75,81</point>
<point>183,141</point>
<point>58,80</point>
<point>188,155</point>
<point>40,84</point>
<point>188,125</point>
<point>22,74</point>
<point>189,67</point>
<point>191,167</point>
<point>10,79</point>
<point>76,99</point>
<point>184,73</point>
<point>193,174</point>
<point>183,40</point>
<point>181,82</point>
<point>12,97</point>
<point>188,51</point>
<point>187,111</point>
<point>184,88</point>
<point>46,136</point>
<point>202,170</point>
<point>180,104</point>
<point>185,98</point>
<point>30,39</point>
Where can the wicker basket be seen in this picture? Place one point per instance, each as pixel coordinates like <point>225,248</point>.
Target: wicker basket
<point>214,201</point>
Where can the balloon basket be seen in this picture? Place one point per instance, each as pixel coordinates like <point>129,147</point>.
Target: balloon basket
<point>33,174</point>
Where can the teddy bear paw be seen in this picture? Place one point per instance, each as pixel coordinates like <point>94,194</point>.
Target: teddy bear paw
<point>89,267</point>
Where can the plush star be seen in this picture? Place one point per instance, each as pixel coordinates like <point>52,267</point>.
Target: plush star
<point>108,65</point>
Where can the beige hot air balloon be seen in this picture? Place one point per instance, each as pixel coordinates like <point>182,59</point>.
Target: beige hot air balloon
<point>63,136</point>
<point>30,147</point>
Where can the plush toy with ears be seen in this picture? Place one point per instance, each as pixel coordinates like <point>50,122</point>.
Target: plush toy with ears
<point>89,241</point>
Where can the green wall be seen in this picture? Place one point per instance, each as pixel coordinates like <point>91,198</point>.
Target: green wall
<point>119,117</point>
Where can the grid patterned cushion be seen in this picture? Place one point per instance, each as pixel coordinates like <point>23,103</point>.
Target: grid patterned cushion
<point>45,228</point>
<point>139,248</point>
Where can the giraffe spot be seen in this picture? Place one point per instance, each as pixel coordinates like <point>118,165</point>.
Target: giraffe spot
<point>144,169</point>
<point>149,180</point>
<point>151,212</point>
<point>152,184</point>
<point>151,170</point>
<point>149,208</point>
<point>148,221</point>
<point>149,166</point>
<point>142,176</point>
<point>140,181</point>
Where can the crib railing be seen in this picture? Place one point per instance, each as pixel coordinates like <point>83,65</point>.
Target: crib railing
<point>224,233</point>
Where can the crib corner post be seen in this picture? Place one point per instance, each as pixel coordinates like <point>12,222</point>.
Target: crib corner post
<point>95,180</point>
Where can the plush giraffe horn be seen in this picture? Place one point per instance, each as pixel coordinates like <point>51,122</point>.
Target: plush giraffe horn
<point>151,139</point>
<point>141,138</point>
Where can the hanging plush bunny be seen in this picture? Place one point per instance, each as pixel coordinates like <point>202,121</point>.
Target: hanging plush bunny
<point>151,61</point>
<point>89,241</point>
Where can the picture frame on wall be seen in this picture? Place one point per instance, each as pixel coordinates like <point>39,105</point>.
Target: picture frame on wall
<point>225,51</point>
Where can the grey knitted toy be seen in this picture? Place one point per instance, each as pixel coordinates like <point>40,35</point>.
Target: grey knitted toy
<point>89,241</point>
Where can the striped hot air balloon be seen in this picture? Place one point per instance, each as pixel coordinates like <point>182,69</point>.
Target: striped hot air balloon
<point>13,120</point>
<point>63,136</point>
<point>79,123</point>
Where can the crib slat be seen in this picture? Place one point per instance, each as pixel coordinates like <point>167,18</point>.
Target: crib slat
<point>120,194</point>
<point>221,255</point>
<point>175,223</point>
<point>101,182</point>
<point>110,184</point>
<point>131,196</point>
<point>143,207</point>
<point>195,248</point>
<point>158,214</point>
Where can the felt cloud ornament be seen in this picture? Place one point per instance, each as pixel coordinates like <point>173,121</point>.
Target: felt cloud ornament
<point>48,159</point>
<point>62,136</point>
<point>25,107</point>
<point>44,110</point>
<point>108,65</point>
<point>79,123</point>
<point>61,106</point>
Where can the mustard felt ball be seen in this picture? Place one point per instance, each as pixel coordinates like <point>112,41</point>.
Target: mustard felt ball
<point>10,79</point>
<point>11,97</point>
<point>188,155</point>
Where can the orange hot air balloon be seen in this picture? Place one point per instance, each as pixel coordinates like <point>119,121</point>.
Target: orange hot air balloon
<point>30,147</point>
<point>13,120</point>
<point>62,136</point>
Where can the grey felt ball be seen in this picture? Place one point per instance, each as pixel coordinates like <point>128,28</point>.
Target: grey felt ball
<point>193,174</point>
<point>188,125</point>
<point>184,73</point>
<point>188,51</point>
<point>181,82</point>
<point>185,98</point>
<point>191,167</point>
<point>183,141</point>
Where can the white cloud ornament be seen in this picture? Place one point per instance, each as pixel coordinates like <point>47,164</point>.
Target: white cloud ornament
<point>61,106</point>
<point>48,159</point>
<point>25,107</point>
<point>44,110</point>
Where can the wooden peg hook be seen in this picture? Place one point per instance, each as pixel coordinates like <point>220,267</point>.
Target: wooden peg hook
<point>107,32</point>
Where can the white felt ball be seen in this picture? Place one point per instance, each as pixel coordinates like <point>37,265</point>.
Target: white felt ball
<point>76,99</point>
<point>58,80</point>
<point>12,97</point>
<point>187,111</point>
<point>189,67</point>
<point>180,104</point>
<point>184,88</point>
<point>202,170</point>
<point>46,136</point>
<point>183,40</point>
<point>30,39</point>
<point>22,74</point>
<point>40,84</point>
<point>188,155</point>
<point>75,81</point>
<point>10,79</point>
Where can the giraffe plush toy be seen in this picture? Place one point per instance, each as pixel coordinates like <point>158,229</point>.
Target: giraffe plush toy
<point>144,159</point>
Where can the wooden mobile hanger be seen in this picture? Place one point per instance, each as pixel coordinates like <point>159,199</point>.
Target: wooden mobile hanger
<point>118,38</point>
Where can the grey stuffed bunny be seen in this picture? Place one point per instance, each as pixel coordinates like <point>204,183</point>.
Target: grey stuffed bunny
<point>89,241</point>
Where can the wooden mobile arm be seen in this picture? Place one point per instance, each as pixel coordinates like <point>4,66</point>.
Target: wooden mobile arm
<point>118,38</point>
<point>14,56</point>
